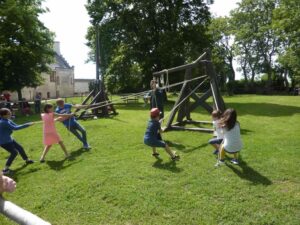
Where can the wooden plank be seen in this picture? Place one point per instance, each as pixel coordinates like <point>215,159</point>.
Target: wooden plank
<point>199,100</point>
<point>206,130</point>
<point>179,99</point>
<point>182,67</point>
<point>183,110</point>
<point>197,122</point>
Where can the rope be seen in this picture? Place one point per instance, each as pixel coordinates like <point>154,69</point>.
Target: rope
<point>119,100</point>
<point>181,102</point>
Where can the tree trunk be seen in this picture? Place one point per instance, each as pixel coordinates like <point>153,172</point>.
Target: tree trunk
<point>232,78</point>
<point>19,94</point>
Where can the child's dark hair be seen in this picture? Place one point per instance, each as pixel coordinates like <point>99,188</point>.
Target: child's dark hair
<point>4,112</point>
<point>216,114</point>
<point>228,119</point>
<point>47,107</point>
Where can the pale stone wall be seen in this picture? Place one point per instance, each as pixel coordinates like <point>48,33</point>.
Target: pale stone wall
<point>82,86</point>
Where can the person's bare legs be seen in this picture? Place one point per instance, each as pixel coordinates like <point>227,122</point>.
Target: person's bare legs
<point>46,150</point>
<point>169,151</point>
<point>154,150</point>
<point>235,156</point>
<point>222,153</point>
<point>63,147</point>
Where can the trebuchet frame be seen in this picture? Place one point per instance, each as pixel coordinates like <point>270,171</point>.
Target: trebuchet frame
<point>184,110</point>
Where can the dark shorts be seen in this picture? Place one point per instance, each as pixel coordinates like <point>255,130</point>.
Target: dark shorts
<point>155,143</point>
<point>214,141</point>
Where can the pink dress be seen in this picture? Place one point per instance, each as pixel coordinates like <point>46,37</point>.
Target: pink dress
<point>50,134</point>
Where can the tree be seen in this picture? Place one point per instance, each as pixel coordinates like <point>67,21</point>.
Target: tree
<point>287,26</point>
<point>223,51</point>
<point>26,45</point>
<point>156,34</point>
<point>255,38</point>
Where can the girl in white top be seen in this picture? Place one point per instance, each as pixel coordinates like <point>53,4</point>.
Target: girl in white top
<point>232,136</point>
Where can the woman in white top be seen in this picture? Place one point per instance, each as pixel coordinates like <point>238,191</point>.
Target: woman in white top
<point>232,136</point>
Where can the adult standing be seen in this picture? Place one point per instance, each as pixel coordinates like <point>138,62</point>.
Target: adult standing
<point>156,97</point>
<point>37,102</point>
<point>70,122</point>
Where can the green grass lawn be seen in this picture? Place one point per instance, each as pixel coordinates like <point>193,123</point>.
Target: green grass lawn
<point>119,182</point>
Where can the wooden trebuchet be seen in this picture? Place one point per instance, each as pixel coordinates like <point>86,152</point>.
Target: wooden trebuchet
<point>19,215</point>
<point>183,107</point>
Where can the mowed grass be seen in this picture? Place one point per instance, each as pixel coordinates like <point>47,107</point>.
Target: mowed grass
<point>119,182</point>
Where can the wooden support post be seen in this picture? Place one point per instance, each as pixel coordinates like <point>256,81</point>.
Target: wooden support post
<point>183,110</point>
<point>179,99</point>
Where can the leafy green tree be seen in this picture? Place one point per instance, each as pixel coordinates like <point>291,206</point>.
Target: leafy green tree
<point>26,45</point>
<point>223,49</point>
<point>156,34</point>
<point>287,25</point>
<point>256,41</point>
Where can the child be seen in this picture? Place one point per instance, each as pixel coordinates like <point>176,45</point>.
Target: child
<point>218,135</point>
<point>70,122</point>
<point>232,138</point>
<point>50,134</point>
<point>7,142</point>
<point>152,136</point>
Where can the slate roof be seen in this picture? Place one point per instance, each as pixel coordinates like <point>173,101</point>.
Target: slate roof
<point>61,61</point>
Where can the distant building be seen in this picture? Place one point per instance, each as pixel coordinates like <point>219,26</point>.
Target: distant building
<point>58,83</point>
<point>82,86</point>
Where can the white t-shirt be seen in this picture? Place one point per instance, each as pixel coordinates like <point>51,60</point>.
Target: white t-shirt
<point>218,132</point>
<point>232,139</point>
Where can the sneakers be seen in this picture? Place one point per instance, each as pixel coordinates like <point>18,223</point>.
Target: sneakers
<point>175,158</point>
<point>155,154</point>
<point>219,163</point>
<point>29,161</point>
<point>87,146</point>
<point>6,171</point>
<point>234,161</point>
<point>42,160</point>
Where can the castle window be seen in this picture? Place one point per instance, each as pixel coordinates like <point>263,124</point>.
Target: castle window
<point>52,76</point>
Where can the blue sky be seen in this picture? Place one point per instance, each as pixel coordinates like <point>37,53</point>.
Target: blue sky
<point>69,20</point>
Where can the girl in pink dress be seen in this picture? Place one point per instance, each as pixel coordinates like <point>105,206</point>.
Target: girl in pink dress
<point>50,134</point>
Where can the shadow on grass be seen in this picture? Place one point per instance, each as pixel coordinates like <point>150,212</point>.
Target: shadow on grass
<point>59,165</point>
<point>195,148</point>
<point>175,145</point>
<point>18,172</point>
<point>264,109</point>
<point>248,173</point>
<point>171,166</point>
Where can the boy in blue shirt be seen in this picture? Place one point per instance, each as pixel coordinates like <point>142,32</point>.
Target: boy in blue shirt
<point>70,122</point>
<point>153,138</point>
<point>7,142</point>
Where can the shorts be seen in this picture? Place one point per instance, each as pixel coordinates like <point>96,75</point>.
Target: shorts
<point>155,143</point>
<point>215,141</point>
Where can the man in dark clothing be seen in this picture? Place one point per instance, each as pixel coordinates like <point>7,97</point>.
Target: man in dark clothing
<point>156,97</point>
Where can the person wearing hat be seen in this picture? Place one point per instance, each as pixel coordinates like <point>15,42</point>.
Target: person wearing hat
<point>70,122</point>
<point>156,97</point>
<point>153,138</point>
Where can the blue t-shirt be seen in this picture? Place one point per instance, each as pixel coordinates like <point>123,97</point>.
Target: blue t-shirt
<point>66,110</point>
<point>152,129</point>
<point>6,129</point>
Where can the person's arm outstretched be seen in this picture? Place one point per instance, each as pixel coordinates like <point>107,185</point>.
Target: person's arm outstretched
<point>14,126</point>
